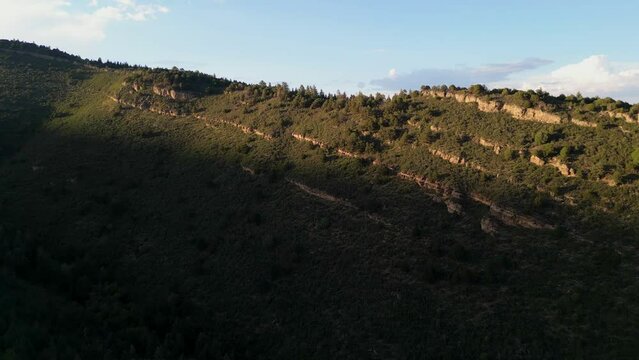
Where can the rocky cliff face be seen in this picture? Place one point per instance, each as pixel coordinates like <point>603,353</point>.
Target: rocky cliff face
<point>497,106</point>
<point>145,105</point>
<point>163,91</point>
<point>531,114</point>
<point>173,94</point>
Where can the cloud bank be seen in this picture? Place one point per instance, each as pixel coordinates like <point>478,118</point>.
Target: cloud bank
<point>462,76</point>
<point>593,76</point>
<point>63,21</point>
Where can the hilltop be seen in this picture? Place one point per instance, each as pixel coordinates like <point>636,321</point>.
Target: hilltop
<point>163,213</point>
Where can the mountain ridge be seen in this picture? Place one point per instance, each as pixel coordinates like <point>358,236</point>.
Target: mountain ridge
<point>254,221</point>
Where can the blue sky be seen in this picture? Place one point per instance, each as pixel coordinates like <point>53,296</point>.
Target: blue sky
<point>561,46</point>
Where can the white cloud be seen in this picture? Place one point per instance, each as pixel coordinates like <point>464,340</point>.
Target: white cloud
<point>61,21</point>
<point>461,76</point>
<point>593,76</point>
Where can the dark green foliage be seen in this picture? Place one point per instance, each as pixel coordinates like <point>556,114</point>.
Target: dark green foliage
<point>508,154</point>
<point>129,234</point>
<point>565,152</point>
<point>541,137</point>
<point>635,157</point>
<point>476,89</point>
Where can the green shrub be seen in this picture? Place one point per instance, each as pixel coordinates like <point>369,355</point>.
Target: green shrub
<point>508,154</point>
<point>541,137</point>
<point>565,152</point>
<point>635,157</point>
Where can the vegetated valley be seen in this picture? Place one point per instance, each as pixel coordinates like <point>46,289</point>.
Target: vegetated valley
<point>166,214</point>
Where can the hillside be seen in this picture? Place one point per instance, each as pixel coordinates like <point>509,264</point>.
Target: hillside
<point>161,214</point>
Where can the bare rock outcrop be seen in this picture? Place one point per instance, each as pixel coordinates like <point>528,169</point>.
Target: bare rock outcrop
<point>555,162</point>
<point>509,216</point>
<point>443,193</point>
<point>451,198</point>
<point>623,116</point>
<point>481,199</point>
<point>540,116</point>
<point>245,129</point>
<point>334,199</point>
<point>173,94</point>
<point>564,169</point>
<point>515,111</point>
<point>457,160</point>
<point>339,151</point>
<point>512,218</point>
<point>453,159</point>
<point>496,148</point>
<point>583,123</point>
<point>537,160</point>
<point>146,106</point>
<point>310,140</point>
<point>488,225</point>
<point>441,189</point>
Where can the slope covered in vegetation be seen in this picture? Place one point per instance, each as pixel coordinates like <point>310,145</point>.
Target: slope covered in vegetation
<point>170,214</point>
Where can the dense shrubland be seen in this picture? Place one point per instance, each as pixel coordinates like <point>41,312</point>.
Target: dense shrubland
<point>575,106</point>
<point>128,234</point>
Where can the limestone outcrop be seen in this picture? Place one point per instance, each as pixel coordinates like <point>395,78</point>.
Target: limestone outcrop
<point>496,148</point>
<point>452,199</point>
<point>623,116</point>
<point>509,216</point>
<point>457,160</point>
<point>173,94</point>
<point>340,152</point>
<point>163,91</point>
<point>245,129</point>
<point>515,111</point>
<point>564,169</point>
<point>512,218</point>
<point>334,199</point>
<point>442,193</point>
<point>145,105</point>
<point>453,159</point>
<point>310,140</point>
<point>583,123</point>
<point>555,162</point>
<point>537,160</point>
